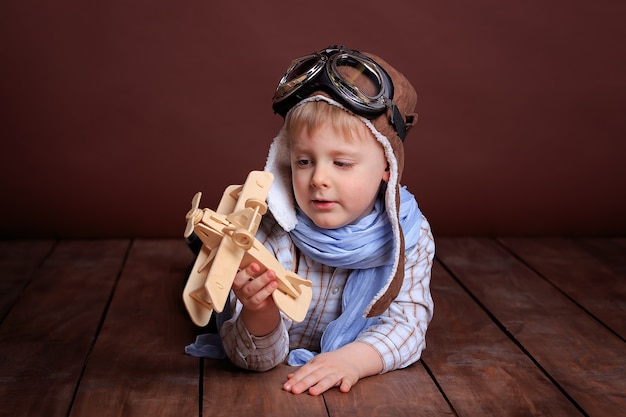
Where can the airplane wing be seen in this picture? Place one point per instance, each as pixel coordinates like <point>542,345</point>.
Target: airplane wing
<point>294,294</point>
<point>246,217</point>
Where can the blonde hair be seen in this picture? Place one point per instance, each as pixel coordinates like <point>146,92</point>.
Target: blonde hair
<point>311,115</point>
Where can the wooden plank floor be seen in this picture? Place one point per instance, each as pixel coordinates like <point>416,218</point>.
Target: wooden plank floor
<point>522,327</point>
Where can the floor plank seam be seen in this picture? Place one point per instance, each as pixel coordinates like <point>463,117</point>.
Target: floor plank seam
<point>506,342</point>
<point>326,405</point>
<point>99,327</point>
<point>30,279</point>
<point>513,339</point>
<point>200,386</point>
<point>556,287</point>
<point>439,387</point>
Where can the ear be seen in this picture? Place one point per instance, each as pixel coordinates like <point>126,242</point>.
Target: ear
<point>387,174</point>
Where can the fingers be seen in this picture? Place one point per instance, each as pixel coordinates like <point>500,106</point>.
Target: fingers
<point>317,385</point>
<point>323,372</point>
<point>246,274</point>
<point>259,289</point>
<point>317,381</point>
<point>253,286</point>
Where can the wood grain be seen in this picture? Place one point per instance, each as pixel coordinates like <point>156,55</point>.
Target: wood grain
<point>522,327</point>
<point>19,259</point>
<point>229,391</point>
<point>481,371</point>
<point>402,393</point>
<point>138,366</point>
<point>584,358</point>
<point>47,336</point>
<point>590,271</point>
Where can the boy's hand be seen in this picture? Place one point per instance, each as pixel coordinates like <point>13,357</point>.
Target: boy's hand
<point>340,368</point>
<point>254,289</point>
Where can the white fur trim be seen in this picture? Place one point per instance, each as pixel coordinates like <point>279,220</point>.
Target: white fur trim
<point>280,198</point>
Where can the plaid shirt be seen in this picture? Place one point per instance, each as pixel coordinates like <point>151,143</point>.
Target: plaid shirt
<point>398,337</point>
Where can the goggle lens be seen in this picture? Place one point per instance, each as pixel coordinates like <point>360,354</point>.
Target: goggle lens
<point>301,67</point>
<point>348,76</point>
<point>359,76</point>
<point>298,74</point>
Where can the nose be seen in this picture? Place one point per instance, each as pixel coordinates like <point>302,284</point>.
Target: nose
<point>319,177</point>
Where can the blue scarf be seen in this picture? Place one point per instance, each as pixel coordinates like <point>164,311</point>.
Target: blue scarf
<point>367,248</point>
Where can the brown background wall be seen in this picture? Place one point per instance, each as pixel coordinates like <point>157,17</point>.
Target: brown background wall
<point>114,113</point>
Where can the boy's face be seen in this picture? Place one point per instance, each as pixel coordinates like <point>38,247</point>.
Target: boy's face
<point>336,178</point>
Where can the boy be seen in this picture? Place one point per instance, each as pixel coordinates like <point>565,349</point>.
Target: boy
<point>338,217</point>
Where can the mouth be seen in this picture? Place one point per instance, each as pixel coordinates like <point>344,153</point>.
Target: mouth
<point>322,204</point>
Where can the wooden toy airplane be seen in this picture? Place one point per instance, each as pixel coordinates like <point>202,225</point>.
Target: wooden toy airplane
<point>228,243</point>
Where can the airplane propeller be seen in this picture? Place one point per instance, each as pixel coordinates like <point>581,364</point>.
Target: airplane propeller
<point>193,215</point>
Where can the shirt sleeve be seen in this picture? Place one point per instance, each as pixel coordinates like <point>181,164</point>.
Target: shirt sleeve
<point>256,353</point>
<point>400,335</point>
<point>259,353</point>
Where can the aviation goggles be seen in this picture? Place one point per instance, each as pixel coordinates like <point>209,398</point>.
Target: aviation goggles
<point>324,71</point>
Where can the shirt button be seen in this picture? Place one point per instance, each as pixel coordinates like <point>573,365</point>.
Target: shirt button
<point>335,290</point>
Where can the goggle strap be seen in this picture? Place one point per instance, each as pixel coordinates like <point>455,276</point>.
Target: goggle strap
<point>397,121</point>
